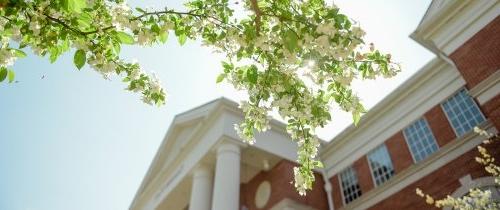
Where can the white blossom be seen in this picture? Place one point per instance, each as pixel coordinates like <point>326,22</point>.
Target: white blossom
<point>326,28</point>
<point>145,37</point>
<point>34,26</point>
<point>299,181</point>
<point>7,57</point>
<point>155,84</point>
<point>358,32</point>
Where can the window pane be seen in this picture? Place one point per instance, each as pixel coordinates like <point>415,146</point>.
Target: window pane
<point>350,186</point>
<point>462,112</point>
<point>381,164</point>
<point>420,140</point>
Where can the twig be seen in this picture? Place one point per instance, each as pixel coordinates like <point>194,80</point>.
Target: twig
<point>258,14</point>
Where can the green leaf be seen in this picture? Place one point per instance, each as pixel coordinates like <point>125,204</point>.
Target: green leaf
<point>182,38</point>
<point>164,36</point>
<point>220,77</point>
<point>79,59</point>
<point>65,45</point>
<point>116,47</point>
<point>125,38</point>
<point>318,164</point>
<point>140,10</point>
<point>11,76</point>
<point>227,67</point>
<point>291,41</point>
<point>74,5</point>
<point>84,20</point>
<point>54,53</point>
<point>19,53</point>
<point>155,28</point>
<point>252,74</point>
<point>3,73</point>
<point>356,116</point>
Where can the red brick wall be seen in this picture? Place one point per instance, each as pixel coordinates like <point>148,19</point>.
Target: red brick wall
<point>479,57</point>
<point>491,110</point>
<point>400,155</point>
<point>440,126</point>
<point>281,178</point>
<point>364,174</point>
<point>336,192</point>
<point>439,183</point>
<point>399,152</point>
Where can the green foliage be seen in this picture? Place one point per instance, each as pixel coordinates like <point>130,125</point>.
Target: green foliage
<point>125,38</point>
<point>220,78</point>
<point>294,57</point>
<point>11,76</point>
<point>19,53</point>
<point>291,41</point>
<point>74,5</point>
<point>79,59</point>
<point>3,73</point>
<point>182,38</point>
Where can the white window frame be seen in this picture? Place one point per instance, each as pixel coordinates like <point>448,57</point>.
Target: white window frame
<point>408,143</point>
<point>339,177</point>
<point>448,117</point>
<point>371,169</point>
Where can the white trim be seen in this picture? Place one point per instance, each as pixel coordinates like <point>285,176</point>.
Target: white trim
<point>370,166</point>
<point>487,89</point>
<point>464,26</point>
<point>415,172</point>
<point>451,25</point>
<point>342,189</point>
<point>328,189</point>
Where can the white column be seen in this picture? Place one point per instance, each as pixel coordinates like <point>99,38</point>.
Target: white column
<point>226,195</point>
<point>201,190</point>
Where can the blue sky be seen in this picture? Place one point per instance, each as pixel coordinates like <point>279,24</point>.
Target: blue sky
<point>73,140</point>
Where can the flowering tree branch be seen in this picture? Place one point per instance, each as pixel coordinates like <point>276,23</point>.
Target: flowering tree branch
<point>294,57</point>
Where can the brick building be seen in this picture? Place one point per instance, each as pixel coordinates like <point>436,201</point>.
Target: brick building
<point>418,136</point>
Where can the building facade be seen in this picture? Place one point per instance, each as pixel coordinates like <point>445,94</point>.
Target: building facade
<point>419,136</point>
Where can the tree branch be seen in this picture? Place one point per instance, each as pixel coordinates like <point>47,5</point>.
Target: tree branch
<point>258,14</point>
<point>60,22</point>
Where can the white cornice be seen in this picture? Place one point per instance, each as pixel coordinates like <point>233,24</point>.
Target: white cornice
<point>453,23</point>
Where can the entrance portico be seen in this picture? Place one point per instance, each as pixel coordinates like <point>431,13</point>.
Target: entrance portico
<point>202,164</point>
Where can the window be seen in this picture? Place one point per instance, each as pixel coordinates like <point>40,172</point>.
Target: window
<point>462,112</point>
<point>350,186</point>
<point>380,164</point>
<point>420,140</point>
